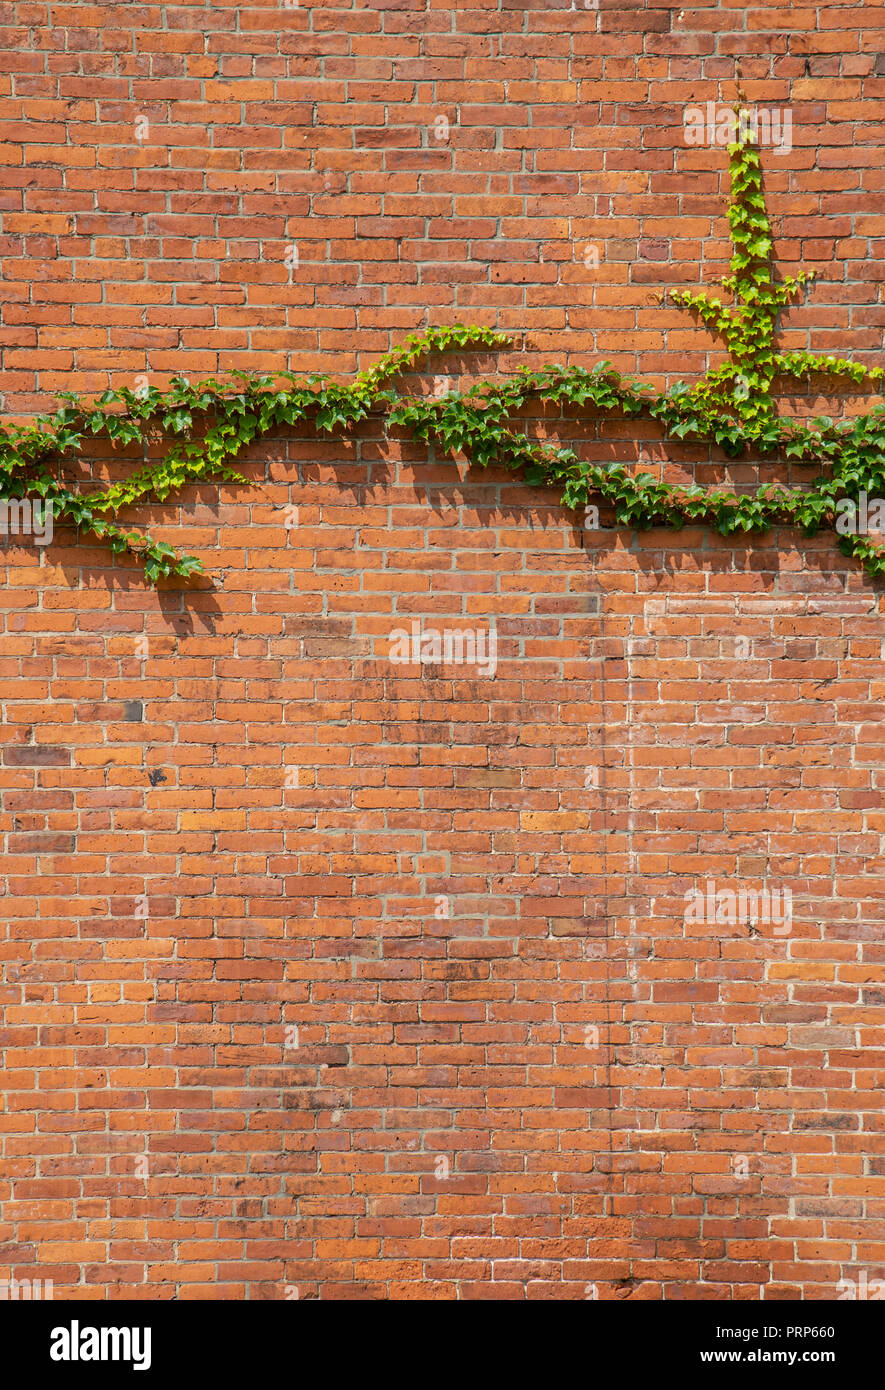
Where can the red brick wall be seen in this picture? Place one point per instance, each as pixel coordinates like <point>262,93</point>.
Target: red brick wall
<point>429,1020</point>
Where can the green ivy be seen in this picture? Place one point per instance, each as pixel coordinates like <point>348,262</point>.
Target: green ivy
<point>732,406</point>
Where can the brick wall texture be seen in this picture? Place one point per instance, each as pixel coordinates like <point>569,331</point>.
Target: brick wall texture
<point>325,976</point>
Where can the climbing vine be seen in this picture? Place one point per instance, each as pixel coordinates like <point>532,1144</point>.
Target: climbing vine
<point>732,406</point>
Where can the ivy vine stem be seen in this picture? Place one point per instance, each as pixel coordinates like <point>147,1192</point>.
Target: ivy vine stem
<point>732,406</point>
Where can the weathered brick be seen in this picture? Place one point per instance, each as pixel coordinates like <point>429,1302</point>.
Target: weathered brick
<point>282,916</point>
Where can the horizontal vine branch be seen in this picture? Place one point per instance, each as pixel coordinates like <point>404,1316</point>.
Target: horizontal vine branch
<point>731,406</point>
